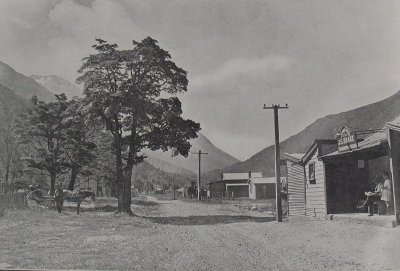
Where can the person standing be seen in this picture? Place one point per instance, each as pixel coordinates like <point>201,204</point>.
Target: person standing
<point>59,197</point>
<point>387,195</point>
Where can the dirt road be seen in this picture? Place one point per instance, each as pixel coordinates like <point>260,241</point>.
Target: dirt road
<point>267,245</point>
<point>179,235</point>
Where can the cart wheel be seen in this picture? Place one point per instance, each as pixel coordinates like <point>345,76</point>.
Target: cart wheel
<point>38,200</point>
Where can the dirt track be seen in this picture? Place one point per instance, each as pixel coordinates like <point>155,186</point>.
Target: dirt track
<point>177,235</point>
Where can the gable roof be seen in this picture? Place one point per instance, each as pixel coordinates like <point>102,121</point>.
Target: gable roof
<point>379,137</point>
<point>316,146</point>
<point>294,157</point>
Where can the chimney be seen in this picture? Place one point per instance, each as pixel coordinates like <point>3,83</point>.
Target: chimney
<point>249,174</point>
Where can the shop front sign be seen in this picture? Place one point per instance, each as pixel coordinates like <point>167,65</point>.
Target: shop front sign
<point>346,140</point>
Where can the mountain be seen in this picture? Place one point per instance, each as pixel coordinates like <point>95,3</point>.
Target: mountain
<point>25,87</point>
<point>57,85</point>
<point>215,159</point>
<point>168,167</point>
<point>367,117</point>
<point>11,105</point>
<point>146,173</point>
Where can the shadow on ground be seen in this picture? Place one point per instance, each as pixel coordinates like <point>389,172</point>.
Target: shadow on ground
<point>207,220</point>
<point>105,208</point>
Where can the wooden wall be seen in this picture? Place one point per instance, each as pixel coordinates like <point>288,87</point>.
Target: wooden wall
<point>296,189</point>
<point>265,191</point>
<point>217,189</point>
<point>13,200</point>
<point>315,193</point>
<point>241,191</point>
<point>377,166</point>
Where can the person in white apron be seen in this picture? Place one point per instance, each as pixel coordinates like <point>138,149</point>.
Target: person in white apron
<point>387,195</point>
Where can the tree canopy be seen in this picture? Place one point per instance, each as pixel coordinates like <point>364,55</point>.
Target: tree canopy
<point>44,129</point>
<point>133,93</point>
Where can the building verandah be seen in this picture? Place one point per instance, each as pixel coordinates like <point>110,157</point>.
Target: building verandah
<point>349,173</point>
<point>333,177</point>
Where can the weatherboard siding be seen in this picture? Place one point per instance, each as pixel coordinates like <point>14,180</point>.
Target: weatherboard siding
<point>315,193</point>
<point>297,201</point>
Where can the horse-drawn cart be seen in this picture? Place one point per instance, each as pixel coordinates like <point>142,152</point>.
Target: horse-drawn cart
<point>38,199</point>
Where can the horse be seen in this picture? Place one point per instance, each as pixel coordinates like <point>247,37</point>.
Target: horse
<point>72,196</point>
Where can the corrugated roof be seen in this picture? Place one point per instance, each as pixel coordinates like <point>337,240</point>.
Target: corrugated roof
<point>372,140</point>
<point>394,122</point>
<point>240,176</point>
<point>295,155</point>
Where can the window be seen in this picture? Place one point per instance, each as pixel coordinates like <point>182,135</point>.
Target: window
<point>311,173</point>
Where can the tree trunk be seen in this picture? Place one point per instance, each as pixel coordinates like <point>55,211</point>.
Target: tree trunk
<point>127,195</point>
<point>118,150</point>
<point>72,180</point>
<point>7,171</point>
<point>52,183</point>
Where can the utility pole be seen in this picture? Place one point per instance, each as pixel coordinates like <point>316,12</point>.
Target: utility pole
<point>277,160</point>
<point>199,175</point>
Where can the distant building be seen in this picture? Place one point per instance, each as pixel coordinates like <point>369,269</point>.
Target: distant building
<point>262,188</point>
<point>94,185</point>
<point>237,184</point>
<point>243,185</point>
<point>216,189</point>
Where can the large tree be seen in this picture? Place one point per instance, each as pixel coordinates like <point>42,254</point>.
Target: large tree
<point>133,92</point>
<point>44,130</point>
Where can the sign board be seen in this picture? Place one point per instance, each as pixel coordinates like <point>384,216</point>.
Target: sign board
<point>346,140</point>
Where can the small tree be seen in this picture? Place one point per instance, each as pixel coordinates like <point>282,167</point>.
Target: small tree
<point>80,144</point>
<point>132,91</point>
<point>9,149</point>
<point>103,167</point>
<point>43,128</point>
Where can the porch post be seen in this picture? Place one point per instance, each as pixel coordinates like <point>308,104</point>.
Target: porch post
<point>325,194</point>
<point>394,152</point>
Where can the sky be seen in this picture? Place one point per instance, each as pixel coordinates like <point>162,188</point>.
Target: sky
<point>321,57</point>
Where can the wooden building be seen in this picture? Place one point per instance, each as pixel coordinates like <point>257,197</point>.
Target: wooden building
<point>296,183</point>
<point>237,184</point>
<point>335,180</point>
<point>351,171</point>
<point>315,176</point>
<point>216,189</point>
<point>306,179</point>
<point>93,184</point>
<point>262,188</point>
<point>232,185</point>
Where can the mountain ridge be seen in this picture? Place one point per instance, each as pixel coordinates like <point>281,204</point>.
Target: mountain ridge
<point>22,85</point>
<point>215,159</point>
<point>58,85</point>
